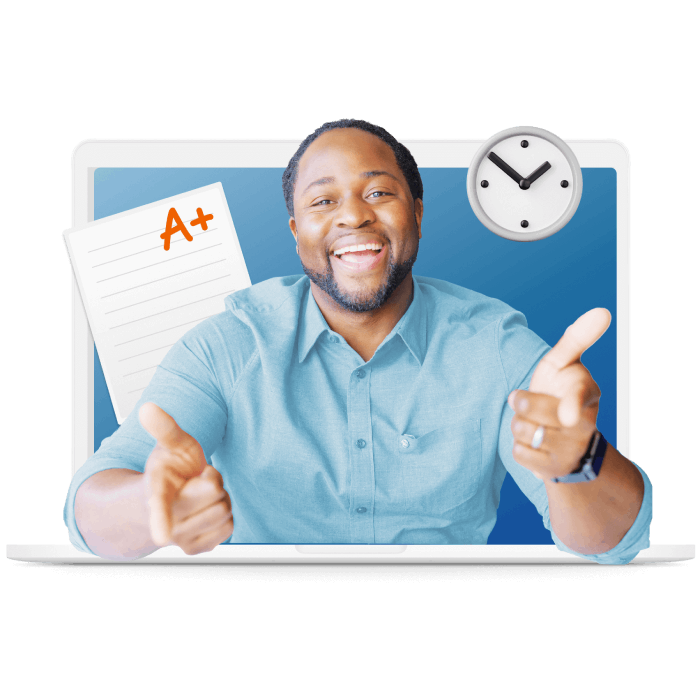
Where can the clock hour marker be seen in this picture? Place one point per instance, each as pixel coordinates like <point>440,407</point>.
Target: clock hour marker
<point>484,183</point>
<point>524,223</point>
<point>524,144</point>
<point>564,183</point>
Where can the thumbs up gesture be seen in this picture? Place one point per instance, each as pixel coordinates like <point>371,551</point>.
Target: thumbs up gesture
<point>562,401</point>
<point>187,501</point>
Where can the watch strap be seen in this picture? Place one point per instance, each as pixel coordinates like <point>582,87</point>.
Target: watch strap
<point>590,464</point>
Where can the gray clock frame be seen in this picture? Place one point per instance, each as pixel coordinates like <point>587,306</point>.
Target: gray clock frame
<point>485,149</point>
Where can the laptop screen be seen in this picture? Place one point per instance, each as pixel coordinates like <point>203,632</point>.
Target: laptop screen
<point>580,262</point>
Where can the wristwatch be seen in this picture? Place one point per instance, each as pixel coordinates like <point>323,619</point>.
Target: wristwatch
<point>589,467</point>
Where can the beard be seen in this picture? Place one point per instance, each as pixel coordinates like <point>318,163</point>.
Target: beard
<point>361,303</point>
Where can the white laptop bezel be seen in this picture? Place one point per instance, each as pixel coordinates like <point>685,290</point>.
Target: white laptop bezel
<point>91,154</point>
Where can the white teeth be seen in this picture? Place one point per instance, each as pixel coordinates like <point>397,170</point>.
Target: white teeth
<point>355,248</point>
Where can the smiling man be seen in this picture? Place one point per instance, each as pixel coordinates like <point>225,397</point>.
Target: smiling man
<point>358,403</point>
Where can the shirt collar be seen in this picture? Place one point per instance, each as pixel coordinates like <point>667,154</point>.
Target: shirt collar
<point>412,328</point>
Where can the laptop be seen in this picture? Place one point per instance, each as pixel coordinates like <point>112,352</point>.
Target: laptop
<point>110,177</point>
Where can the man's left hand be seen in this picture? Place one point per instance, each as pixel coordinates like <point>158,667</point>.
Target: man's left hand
<point>563,399</point>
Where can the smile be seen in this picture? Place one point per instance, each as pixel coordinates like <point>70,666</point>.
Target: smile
<point>370,263</point>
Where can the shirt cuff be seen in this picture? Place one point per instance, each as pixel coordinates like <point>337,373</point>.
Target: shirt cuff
<point>635,540</point>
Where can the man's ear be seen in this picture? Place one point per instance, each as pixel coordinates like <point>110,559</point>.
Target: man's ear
<point>293,227</point>
<point>418,209</point>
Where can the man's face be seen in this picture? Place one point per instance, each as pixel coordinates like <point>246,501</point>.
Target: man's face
<point>349,192</point>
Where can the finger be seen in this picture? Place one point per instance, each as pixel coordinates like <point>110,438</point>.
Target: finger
<point>197,495</point>
<point>211,518</point>
<point>578,337</point>
<point>579,392</point>
<point>212,474</point>
<point>209,540</point>
<point>540,409</point>
<point>571,406</point>
<point>531,459</point>
<point>524,432</point>
<point>164,429</point>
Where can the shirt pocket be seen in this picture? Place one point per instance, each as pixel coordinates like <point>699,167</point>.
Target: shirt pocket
<point>441,468</point>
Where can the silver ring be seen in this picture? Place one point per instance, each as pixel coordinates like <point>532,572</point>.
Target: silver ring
<point>537,438</point>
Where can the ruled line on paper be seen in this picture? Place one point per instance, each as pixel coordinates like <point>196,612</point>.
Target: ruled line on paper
<point>163,262</point>
<point>174,308</point>
<point>146,353</point>
<point>160,279</point>
<point>141,235</point>
<point>148,250</point>
<point>145,301</point>
<point>138,371</point>
<point>148,335</point>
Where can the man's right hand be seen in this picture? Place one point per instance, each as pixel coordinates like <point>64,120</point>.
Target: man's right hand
<point>187,501</point>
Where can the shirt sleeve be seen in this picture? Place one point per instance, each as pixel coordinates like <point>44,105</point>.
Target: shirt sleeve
<point>521,351</point>
<point>189,388</point>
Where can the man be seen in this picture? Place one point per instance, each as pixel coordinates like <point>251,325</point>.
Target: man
<point>356,403</point>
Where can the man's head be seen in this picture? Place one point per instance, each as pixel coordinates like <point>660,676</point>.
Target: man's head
<point>403,157</point>
<point>351,183</point>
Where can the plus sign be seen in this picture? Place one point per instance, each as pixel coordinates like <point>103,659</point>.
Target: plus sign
<point>201,220</point>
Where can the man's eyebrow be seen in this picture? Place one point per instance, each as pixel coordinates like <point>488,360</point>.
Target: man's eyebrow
<point>376,173</point>
<point>368,175</point>
<point>320,181</point>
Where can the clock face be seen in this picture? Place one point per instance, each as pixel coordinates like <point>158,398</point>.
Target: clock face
<point>524,184</point>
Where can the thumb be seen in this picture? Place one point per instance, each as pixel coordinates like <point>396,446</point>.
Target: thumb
<point>578,337</point>
<point>163,428</point>
<point>176,458</point>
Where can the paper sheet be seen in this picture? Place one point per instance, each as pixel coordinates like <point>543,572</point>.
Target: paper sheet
<point>142,289</point>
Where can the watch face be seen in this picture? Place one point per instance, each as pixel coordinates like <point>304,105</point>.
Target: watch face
<point>524,184</point>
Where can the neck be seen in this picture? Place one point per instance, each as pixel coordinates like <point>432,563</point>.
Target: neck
<point>365,331</point>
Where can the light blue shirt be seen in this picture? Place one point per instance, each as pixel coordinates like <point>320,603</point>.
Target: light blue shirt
<point>317,446</point>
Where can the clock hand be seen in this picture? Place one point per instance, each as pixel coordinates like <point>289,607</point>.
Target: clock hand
<point>504,167</point>
<point>534,175</point>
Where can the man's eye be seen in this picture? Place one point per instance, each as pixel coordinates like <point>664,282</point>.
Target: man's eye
<point>379,192</point>
<point>322,202</point>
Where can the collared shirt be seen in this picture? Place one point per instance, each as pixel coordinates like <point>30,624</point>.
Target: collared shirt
<point>315,445</point>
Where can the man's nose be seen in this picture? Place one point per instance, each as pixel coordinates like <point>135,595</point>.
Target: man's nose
<point>353,212</point>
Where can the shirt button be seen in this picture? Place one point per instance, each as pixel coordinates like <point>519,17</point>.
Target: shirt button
<point>360,373</point>
<point>360,443</point>
<point>362,509</point>
<point>333,339</point>
<point>405,443</point>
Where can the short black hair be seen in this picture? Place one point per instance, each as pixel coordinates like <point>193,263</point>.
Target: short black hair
<point>403,156</point>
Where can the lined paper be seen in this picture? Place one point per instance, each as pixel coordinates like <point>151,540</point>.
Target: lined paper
<point>139,298</point>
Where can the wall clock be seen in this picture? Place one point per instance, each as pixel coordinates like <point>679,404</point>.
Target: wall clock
<point>524,183</point>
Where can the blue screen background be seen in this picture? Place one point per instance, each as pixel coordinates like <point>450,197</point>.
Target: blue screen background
<point>552,281</point>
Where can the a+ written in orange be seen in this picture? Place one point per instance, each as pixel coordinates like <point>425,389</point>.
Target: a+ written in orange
<point>175,224</point>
